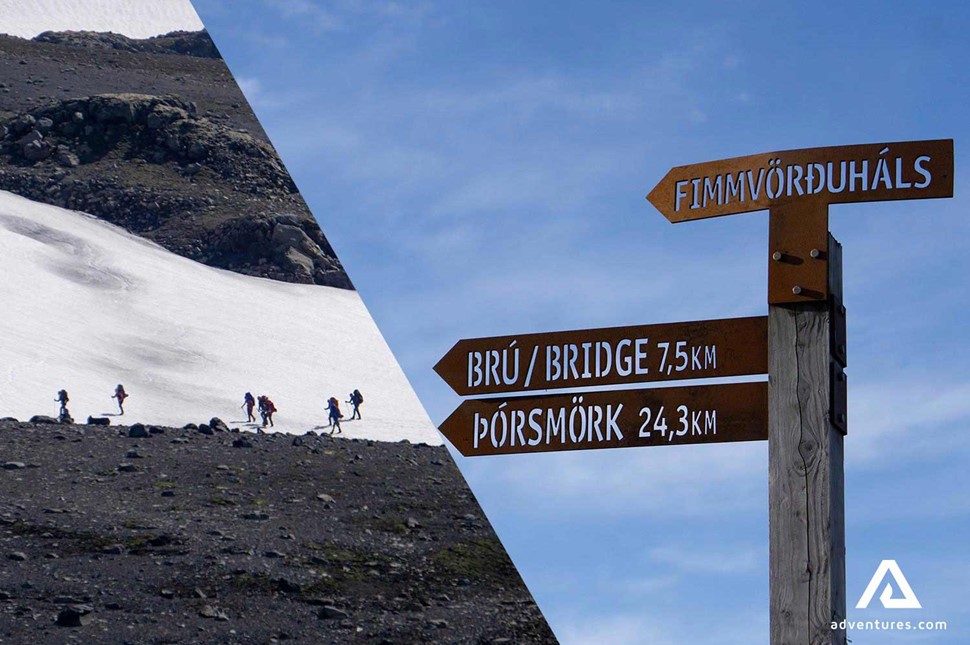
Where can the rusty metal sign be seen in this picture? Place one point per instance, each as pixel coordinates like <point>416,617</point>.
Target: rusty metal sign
<point>609,356</point>
<point>798,237</point>
<point>832,175</point>
<point>610,419</point>
<point>798,186</point>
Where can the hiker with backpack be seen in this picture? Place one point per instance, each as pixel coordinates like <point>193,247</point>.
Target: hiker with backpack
<point>121,395</point>
<point>249,403</point>
<point>63,416</point>
<point>356,398</point>
<point>266,410</point>
<point>333,407</point>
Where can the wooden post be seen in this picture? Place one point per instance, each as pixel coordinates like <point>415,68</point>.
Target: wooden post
<point>805,470</point>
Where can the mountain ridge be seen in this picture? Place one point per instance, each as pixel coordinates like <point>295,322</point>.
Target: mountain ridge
<point>188,43</point>
<point>163,144</point>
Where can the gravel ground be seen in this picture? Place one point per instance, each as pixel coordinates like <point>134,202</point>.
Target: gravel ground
<point>184,537</point>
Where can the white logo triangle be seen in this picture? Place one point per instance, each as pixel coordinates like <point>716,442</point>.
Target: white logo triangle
<point>909,599</point>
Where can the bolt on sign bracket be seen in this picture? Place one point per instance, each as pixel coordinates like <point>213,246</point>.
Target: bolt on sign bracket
<point>798,253</point>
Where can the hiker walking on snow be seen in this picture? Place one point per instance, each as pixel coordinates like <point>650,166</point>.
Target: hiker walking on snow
<point>266,410</point>
<point>249,403</point>
<point>333,407</point>
<point>62,398</point>
<point>356,398</point>
<point>121,395</point>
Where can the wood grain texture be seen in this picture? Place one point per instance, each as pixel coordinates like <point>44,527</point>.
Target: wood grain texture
<point>806,517</point>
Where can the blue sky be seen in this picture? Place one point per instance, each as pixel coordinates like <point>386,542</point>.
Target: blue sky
<point>480,169</point>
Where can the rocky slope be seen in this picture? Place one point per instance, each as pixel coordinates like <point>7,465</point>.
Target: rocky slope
<point>163,144</point>
<point>160,535</point>
<point>188,43</point>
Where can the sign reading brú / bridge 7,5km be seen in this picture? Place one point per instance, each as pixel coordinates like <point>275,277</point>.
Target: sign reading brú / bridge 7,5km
<point>609,356</point>
<point>801,410</point>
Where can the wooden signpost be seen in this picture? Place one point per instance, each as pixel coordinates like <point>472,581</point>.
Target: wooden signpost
<point>801,410</point>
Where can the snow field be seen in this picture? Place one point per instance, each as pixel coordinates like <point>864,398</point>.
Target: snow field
<point>85,305</point>
<point>133,18</point>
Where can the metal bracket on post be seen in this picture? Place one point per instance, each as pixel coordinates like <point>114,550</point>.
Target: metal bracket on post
<point>838,338</point>
<point>798,246</point>
<point>839,398</point>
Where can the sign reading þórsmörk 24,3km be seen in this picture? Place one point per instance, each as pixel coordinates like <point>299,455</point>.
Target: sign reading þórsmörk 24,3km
<point>834,175</point>
<point>610,419</point>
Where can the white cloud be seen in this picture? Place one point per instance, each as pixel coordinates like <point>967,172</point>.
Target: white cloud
<point>308,12</point>
<point>689,481</point>
<point>709,561</point>
<point>923,413</point>
<point>614,630</point>
<point>646,626</point>
<point>338,15</point>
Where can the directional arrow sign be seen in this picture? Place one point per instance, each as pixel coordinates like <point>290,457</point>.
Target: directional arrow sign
<point>611,419</point>
<point>610,356</point>
<point>833,175</point>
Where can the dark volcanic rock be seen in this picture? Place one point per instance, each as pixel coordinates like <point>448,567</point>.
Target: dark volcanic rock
<point>188,43</point>
<point>75,616</point>
<point>257,536</point>
<point>186,166</point>
<point>208,611</point>
<point>138,431</point>
<point>331,613</point>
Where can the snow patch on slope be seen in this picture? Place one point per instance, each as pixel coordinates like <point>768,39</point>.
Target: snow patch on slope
<point>135,19</point>
<point>85,305</point>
